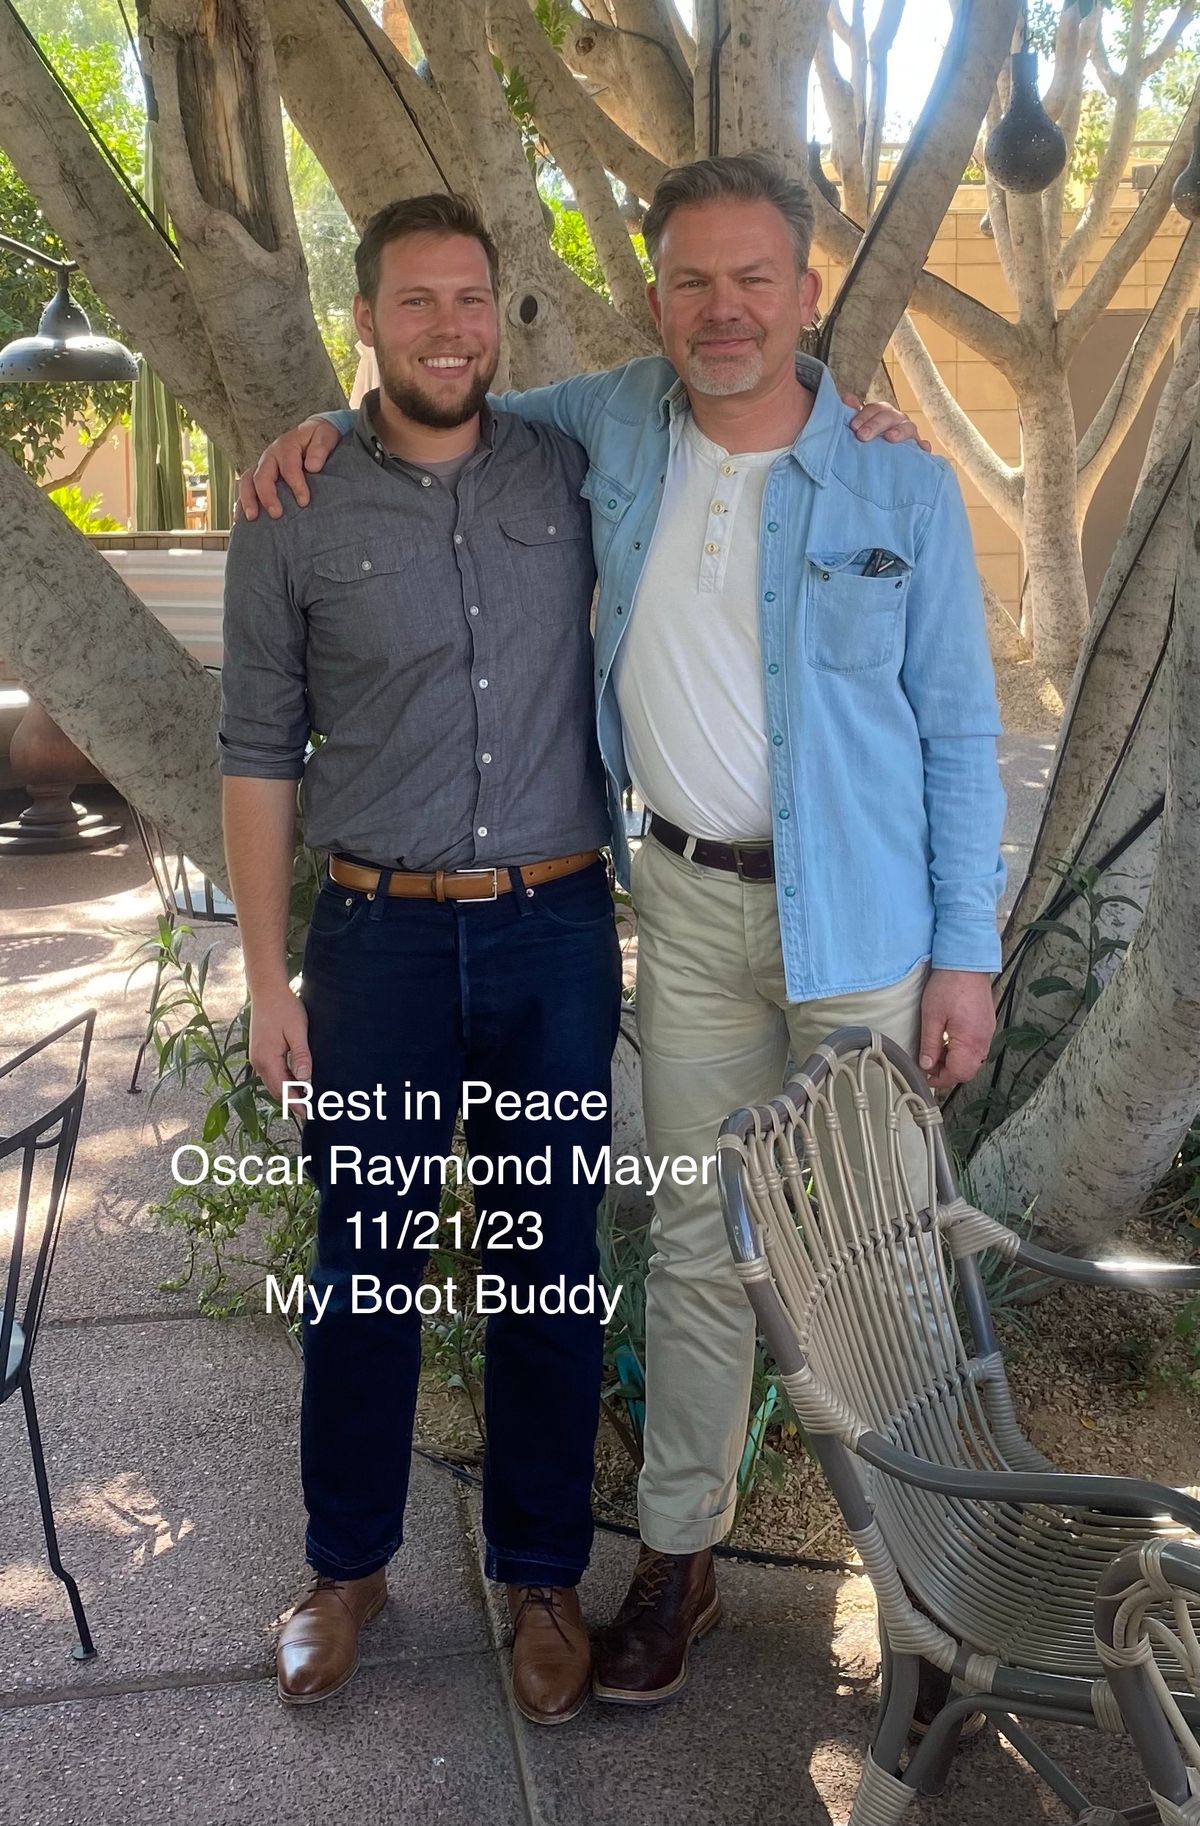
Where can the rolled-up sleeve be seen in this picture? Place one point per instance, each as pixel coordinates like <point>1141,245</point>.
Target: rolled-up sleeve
<point>264,725</point>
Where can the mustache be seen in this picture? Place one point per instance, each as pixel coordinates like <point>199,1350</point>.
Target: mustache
<point>710,331</point>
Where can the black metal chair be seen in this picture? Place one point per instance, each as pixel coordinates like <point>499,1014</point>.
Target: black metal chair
<point>185,893</point>
<point>39,1156</point>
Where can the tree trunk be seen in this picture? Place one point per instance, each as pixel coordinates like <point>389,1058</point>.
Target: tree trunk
<point>1057,586</point>
<point>128,263</point>
<point>1109,1117</point>
<point>146,717</point>
<point>350,91</point>
<point>219,142</point>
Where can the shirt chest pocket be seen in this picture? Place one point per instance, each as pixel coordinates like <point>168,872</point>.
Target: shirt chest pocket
<point>551,562</point>
<point>855,622</point>
<point>367,597</point>
<point>608,501</point>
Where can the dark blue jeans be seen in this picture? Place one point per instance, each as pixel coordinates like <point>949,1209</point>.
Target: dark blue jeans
<point>522,994</point>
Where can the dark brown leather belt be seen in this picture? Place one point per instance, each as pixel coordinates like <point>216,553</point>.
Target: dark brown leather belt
<point>456,884</point>
<point>748,861</point>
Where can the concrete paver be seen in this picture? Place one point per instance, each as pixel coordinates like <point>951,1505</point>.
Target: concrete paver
<point>172,1455</point>
<point>426,1745</point>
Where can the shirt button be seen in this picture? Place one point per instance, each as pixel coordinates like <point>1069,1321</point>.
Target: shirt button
<point>718,507</point>
<point>637,545</point>
<point>474,609</point>
<point>712,549</point>
<point>483,684</point>
<point>777,739</point>
<point>612,504</point>
<point>772,526</point>
<point>426,481</point>
<point>486,759</point>
<point>727,469</point>
<point>620,610</point>
<point>770,596</point>
<point>790,892</point>
<point>458,538</point>
<point>784,812</point>
<point>552,529</point>
<point>772,669</point>
<point>482,831</point>
<point>366,564</point>
<point>824,576</point>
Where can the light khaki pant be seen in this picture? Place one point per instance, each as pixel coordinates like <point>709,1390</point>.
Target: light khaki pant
<point>716,1030</point>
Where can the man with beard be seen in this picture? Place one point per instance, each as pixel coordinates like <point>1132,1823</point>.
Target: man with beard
<point>433,604</point>
<point>428,616</point>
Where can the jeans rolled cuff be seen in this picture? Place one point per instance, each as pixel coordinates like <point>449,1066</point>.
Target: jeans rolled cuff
<point>331,1566</point>
<point>504,1567</point>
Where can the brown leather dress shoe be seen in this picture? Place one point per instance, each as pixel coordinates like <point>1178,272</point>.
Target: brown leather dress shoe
<point>642,1656</point>
<point>551,1657</point>
<point>317,1651</point>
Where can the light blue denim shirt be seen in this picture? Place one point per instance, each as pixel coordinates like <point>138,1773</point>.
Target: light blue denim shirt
<point>880,698</point>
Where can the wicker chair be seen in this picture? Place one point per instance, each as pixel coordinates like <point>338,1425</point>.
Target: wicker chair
<point>1040,1594</point>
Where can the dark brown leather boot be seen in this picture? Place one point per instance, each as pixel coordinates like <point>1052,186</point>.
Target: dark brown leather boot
<point>551,1657</point>
<point>642,1656</point>
<point>317,1651</point>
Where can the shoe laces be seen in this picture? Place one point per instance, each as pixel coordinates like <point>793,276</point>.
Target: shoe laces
<point>541,1597</point>
<point>653,1573</point>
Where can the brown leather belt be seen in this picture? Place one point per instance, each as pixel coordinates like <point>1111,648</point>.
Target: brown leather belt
<point>748,861</point>
<point>456,884</point>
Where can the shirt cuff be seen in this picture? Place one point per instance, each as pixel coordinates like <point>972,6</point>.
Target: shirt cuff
<point>246,760</point>
<point>964,941</point>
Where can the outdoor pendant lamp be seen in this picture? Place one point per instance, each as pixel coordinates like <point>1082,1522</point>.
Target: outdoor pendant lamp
<point>64,347</point>
<point>1186,191</point>
<point>1026,150</point>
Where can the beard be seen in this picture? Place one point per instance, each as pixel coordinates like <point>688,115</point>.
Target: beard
<point>430,408</point>
<point>721,375</point>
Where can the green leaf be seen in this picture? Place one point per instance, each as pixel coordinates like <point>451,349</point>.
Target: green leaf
<point>1051,985</point>
<point>217,1120</point>
<point>1022,1038</point>
<point>1060,927</point>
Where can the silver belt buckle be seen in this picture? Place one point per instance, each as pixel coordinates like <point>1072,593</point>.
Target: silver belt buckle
<point>494,873</point>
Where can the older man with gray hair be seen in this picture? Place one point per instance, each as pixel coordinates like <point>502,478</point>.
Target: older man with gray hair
<point>792,670</point>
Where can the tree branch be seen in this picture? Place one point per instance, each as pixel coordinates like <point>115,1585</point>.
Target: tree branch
<point>997,481</point>
<point>541,340</point>
<point>1153,62</point>
<point>520,44</point>
<point>776,41</point>
<point>1102,439</point>
<point>965,317</point>
<point>637,85</point>
<point>887,267</point>
<point>1108,178</point>
<point>130,267</point>
<point>350,91</point>
<point>838,96</point>
<point>1069,71</point>
<point>891,12</point>
<point>1132,242</point>
<point>72,476</point>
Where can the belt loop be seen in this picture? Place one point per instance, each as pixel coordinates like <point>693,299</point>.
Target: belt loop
<point>379,894</point>
<point>439,886</point>
<point>689,849</point>
<point>520,893</point>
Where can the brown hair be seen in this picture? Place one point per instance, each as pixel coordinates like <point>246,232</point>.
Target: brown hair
<point>747,177</point>
<point>442,212</point>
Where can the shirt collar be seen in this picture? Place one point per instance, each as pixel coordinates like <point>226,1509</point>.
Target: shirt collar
<point>814,447</point>
<point>364,429</point>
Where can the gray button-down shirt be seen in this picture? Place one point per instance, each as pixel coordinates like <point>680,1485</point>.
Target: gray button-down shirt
<point>439,641</point>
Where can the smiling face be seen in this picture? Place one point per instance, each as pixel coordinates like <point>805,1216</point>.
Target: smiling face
<point>729,297</point>
<point>434,326</point>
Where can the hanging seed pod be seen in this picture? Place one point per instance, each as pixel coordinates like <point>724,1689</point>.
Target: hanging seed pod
<point>1026,150</point>
<point>1185,193</point>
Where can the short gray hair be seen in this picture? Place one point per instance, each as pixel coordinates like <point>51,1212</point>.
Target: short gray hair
<point>745,177</point>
